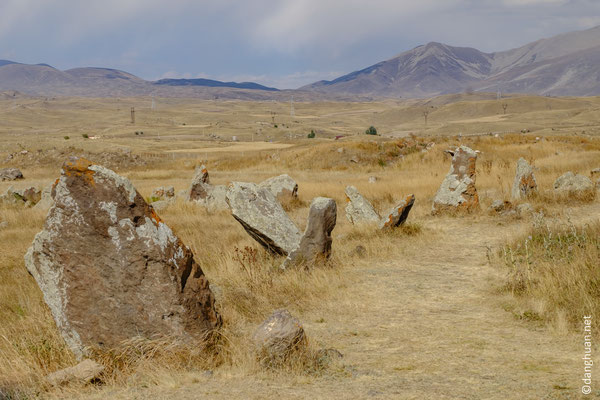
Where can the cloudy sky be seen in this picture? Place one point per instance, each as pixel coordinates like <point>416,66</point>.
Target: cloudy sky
<point>282,43</point>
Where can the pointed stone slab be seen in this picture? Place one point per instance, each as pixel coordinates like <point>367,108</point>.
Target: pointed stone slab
<point>316,241</point>
<point>261,215</point>
<point>358,209</point>
<point>110,269</point>
<point>398,214</point>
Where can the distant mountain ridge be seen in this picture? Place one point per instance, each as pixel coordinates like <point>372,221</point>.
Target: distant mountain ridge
<point>213,83</point>
<point>563,65</point>
<point>566,64</point>
<point>43,79</point>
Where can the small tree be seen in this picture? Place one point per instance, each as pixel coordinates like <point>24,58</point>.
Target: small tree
<point>311,135</point>
<point>371,131</point>
<point>84,135</point>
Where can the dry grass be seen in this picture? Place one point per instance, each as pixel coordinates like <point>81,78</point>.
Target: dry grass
<point>554,272</point>
<point>246,280</point>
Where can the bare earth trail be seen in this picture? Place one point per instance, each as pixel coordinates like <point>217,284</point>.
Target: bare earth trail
<point>426,326</point>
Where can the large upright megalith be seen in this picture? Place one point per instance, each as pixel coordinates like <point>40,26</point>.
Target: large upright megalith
<point>110,269</point>
<point>457,192</point>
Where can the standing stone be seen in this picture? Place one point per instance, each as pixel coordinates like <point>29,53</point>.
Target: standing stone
<point>277,337</point>
<point>358,209</point>
<point>398,214</point>
<point>200,182</point>
<point>10,174</point>
<point>457,192</point>
<point>316,241</point>
<point>283,187</point>
<point>524,184</point>
<point>573,184</point>
<point>262,217</point>
<point>202,192</point>
<point>110,269</point>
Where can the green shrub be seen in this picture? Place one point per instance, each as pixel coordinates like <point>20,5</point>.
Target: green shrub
<point>84,135</point>
<point>67,138</point>
<point>371,131</point>
<point>311,135</point>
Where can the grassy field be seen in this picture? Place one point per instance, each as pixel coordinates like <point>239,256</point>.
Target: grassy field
<point>439,286</point>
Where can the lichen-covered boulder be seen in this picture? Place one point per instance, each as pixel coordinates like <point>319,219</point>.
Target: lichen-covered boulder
<point>315,244</point>
<point>278,337</point>
<point>261,215</point>
<point>283,187</point>
<point>524,184</point>
<point>163,192</point>
<point>10,174</point>
<point>457,192</point>
<point>573,184</point>
<point>26,196</point>
<point>358,209</point>
<point>110,269</point>
<point>46,199</point>
<point>203,193</point>
<point>398,214</point>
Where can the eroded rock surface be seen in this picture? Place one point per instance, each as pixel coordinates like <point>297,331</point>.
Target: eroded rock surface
<point>10,174</point>
<point>202,192</point>
<point>163,192</point>
<point>110,269</point>
<point>277,337</point>
<point>524,184</point>
<point>457,192</point>
<point>283,187</point>
<point>261,215</point>
<point>315,244</point>
<point>27,196</point>
<point>571,183</point>
<point>398,214</point>
<point>84,372</point>
<point>359,209</point>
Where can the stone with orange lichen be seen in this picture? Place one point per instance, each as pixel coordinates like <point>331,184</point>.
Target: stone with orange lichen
<point>202,192</point>
<point>457,192</point>
<point>398,214</point>
<point>110,269</point>
<point>358,208</point>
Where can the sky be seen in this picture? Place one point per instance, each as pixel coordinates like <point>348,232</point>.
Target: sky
<point>280,43</point>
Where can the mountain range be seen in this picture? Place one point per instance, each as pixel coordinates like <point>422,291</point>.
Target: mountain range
<point>563,65</point>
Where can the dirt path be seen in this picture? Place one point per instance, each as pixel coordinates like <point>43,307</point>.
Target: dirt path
<point>425,326</point>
